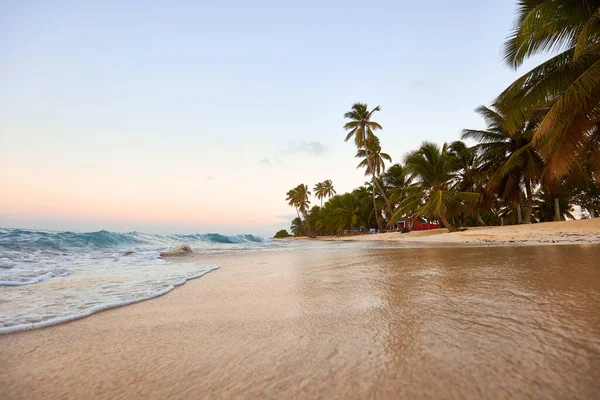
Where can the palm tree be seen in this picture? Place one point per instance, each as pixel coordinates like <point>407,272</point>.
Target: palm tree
<point>298,198</point>
<point>566,87</point>
<point>432,195</point>
<point>297,227</point>
<point>395,181</point>
<point>510,158</point>
<point>545,197</point>
<point>348,212</point>
<point>471,178</point>
<point>320,192</point>
<point>328,188</point>
<point>324,189</point>
<point>584,184</point>
<point>374,162</point>
<point>292,197</point>
<point>361,128</point>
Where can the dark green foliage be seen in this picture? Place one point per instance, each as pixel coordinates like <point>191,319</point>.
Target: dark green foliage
<point>282,234</point>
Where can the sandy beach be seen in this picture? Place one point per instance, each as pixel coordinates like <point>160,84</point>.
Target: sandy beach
<point>564,232</point>
<point>336,322</point>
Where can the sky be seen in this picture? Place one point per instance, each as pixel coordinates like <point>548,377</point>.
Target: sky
<point>193,117</point>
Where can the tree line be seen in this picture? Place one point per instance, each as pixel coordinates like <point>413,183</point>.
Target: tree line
<point>538,157</point>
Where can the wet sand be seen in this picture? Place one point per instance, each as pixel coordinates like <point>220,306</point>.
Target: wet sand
<point>564,232</point>
<point>498,322</point>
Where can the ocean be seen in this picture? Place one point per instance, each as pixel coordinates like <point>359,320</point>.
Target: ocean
<point>51,277</point>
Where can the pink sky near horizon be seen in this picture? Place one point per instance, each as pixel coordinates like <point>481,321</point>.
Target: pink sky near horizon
<point>189,117</point>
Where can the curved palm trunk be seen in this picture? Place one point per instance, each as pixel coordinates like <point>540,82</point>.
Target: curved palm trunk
<point>377,216</point>
<point>306,227</point>
<point>387,201</point>
<point>447,224</point>
<point>479,220</point>
<point>529,212</point>
<point>298,214</point>
<point>376,184</point>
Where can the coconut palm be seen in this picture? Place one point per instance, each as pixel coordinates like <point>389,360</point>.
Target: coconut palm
<point>320,192</point>
<point>292,197</point>
<point>467,163</point>
<point>545,198</point>
<point>566,87</point>
<point>510,157</point>
<point>470,176</point>
<point>584,185</point>
<point>298,198</point>
<point>432,194</point>
<point>297,227</point>
<point>328,188</point>
<point>324,189</point>
<point>302,200</point>
<point>395,180</point>
<point>373,160</point>
<point>362,129</point>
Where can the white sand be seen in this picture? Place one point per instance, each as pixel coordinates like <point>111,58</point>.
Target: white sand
<point>564,232</point>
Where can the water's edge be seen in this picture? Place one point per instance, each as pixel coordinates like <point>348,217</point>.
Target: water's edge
<point>61,320</point>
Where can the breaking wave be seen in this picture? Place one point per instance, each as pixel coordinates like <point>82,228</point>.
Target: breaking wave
<point>51,277</point>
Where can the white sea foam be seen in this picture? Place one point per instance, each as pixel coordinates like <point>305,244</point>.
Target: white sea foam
<point>51,277</point>
<point>9,328</point>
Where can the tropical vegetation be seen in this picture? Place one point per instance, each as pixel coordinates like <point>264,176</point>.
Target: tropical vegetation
<point>537,160</point>
<point>281,234</point>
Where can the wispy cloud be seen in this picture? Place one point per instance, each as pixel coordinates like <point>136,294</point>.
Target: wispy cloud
<point>422,84</point>
<point>265,162</point>
<point>311,148</point>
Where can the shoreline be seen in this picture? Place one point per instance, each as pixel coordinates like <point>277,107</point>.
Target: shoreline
<point>545,233</point>
<point>334,322</point>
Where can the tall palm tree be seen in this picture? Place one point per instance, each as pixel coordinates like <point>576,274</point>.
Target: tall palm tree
<point>432,194</point>
<point>328,188</point>
<point>566,87</point>
<point>362,129</point>
<point>302,200</point>
<point>292,199</point>
<point>298,198</point>
<point>510,157</point>
<point>320,192</point>
<point>373,160</point>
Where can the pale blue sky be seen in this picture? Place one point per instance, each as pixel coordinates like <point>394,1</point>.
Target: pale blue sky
<point>179,117</point>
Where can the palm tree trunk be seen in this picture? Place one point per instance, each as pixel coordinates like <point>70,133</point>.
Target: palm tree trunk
<point>302,222</point>
<point>527,219</point>
<point>387,201</point>
<point>479,220</point>
<point>377,216</point>
<point>447,224</point>
<point>376,182</point>
<point>306,227</point>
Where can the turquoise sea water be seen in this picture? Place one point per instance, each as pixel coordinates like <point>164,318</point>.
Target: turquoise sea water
<point>50,277</point>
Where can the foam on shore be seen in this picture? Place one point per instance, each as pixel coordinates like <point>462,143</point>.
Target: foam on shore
<point>101,307</point>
